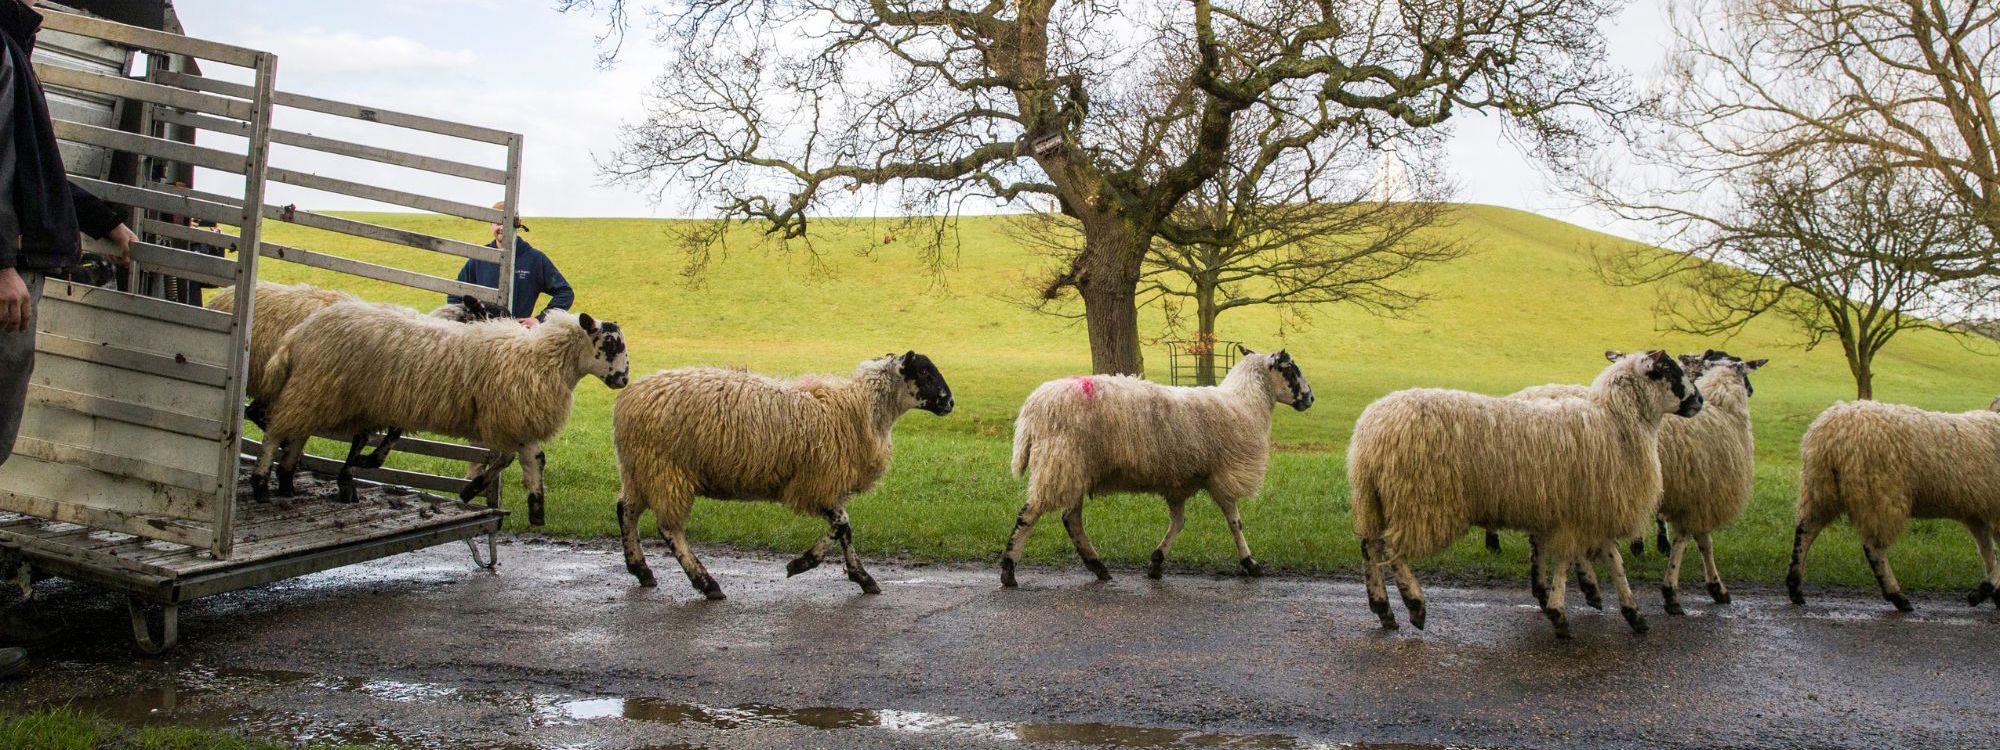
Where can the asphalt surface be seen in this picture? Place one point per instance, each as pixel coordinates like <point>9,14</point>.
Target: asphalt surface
<point>561,650</point>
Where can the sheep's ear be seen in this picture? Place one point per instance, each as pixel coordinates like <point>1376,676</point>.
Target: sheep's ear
<point>1244,350</point>
<point>1752,365</point>
<point>1711,354</point>
<point>1611,356</point>
<point>589,324</point>
<point>1689,361</point>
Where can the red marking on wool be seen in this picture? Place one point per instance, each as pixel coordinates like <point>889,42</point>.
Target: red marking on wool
<point>1088,385</point>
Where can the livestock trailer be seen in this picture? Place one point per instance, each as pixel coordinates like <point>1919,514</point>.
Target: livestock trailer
<point>126,474</point>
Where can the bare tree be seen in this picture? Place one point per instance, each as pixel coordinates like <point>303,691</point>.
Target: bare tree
<point>1838,261</point>
<point>777,108</point>
<point>1752,83</point>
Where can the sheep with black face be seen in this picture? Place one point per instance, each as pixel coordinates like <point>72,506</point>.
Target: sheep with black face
<point>1579,474</point>
<point>811,443</point>
<point>1082,436</point>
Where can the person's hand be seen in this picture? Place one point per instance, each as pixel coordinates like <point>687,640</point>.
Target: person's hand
<point>123,237</point>
<point>16,309</point>
<point>530,323</point>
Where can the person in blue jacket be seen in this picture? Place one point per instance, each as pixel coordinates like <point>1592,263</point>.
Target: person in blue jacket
<point>534,275</point>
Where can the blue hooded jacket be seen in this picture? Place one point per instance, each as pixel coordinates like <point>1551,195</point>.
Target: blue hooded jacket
<point>534,275</point>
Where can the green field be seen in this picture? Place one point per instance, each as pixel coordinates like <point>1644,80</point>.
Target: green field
<point>66,729</point>
<point>1525,308</point>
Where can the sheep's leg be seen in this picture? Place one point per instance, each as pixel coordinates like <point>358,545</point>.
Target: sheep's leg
<point>1716,590</point>
<point>1627,606</point>
<point>698,576</point>
<point>1639,547</point>
<point>1670,586</point>
<point>1558,573</point>
<point>288,469</point>
<point>488,473</point>
<point>259,413</point>
<point>377,458</point>
<point>1586,581</point>
<point>531,479</point>
<point>1073,522</point>
<point>628,532</point>
<point>1378,593</point>
<point>844,533</point>
<point>1016,543</point>
<point>1176,517</point>
<point>260,475</point>
<point>1878,561</point>
<point>1660,534</point>
<point>812,557</point>
<point>1537,569</point>
<point>344,482</point>
<point>1802,540</point>
<point>1493,541</point>
<point>1406,584</point>
<point>1982,534</point>
<point>1250,565</point>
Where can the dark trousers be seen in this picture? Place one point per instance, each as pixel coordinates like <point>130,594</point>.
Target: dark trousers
<point>17,362</point>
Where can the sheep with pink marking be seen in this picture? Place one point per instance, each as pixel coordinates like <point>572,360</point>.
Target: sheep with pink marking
<point>1084,436</point>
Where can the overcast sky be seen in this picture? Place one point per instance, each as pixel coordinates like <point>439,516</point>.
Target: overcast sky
<point>518,65</point>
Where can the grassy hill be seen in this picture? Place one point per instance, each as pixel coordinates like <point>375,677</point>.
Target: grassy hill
<point>1525,308</point>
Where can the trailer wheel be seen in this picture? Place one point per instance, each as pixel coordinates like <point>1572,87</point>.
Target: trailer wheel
<point>142,629</point>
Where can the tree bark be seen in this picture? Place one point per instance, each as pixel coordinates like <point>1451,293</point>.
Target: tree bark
<point>1205,314</point>
<point>1109,286</point>
<point>1862,365</point>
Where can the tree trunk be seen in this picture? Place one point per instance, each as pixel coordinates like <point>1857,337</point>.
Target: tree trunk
<point>1108,282</point>
<point>1862,366</point>
<point>1205,313</point>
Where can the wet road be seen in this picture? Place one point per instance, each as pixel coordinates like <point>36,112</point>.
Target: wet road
<point>561,650</point>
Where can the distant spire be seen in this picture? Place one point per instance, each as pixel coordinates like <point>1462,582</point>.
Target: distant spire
<point>1392,179</point>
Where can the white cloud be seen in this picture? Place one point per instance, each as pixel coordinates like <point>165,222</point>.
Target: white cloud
<point>314,52</point>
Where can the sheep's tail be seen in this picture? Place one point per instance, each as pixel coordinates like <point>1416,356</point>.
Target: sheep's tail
<point>278,369</point>
<point>1024,440</point>
<point>1367,507</point>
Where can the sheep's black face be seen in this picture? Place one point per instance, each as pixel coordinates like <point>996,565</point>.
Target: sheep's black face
<point>476,311</point>
<point>1299,393</point>
<point>607,357</point>
<point>1715,358</point>
<point>933,395</point>
<point>1660,366</point>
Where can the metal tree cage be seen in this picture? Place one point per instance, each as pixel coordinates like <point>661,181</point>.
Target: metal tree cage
<point>1184,358</point>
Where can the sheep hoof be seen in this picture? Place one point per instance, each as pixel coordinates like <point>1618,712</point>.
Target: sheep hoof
<point>868,584</point>
<point>1493,542</point>
<point>1381,609</point>
<point>1673,600</point>
<point>713,591</point>
<point>1594,599</point>
<point>1561,621</point>
<point>1007,574</point>
<point>1255,569</point>
<point>801,565</point>
<point>288,485</point>
<point>1796,589</point>
<point>644,574</point>
<point>1902,602</point>
<point>1097,567</point>
<point>260,489</point>
<point>1157,567</point>
<point>1977,597</point>
<point>1718,593</point>
<point>1416,608</point>
<point>346,494</point>
<point>1633,618</point>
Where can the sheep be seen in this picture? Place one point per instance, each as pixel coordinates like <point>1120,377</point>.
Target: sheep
<point>1706,468</point>
<point>1577,474</point>
<point>355,367</point>
<point>1883,464</point>
<point>811,443</point>
<point>1083,436</point>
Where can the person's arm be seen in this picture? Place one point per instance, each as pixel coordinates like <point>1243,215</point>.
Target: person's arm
<point>98,219</point>
<point>557,287</point>
<point>15,307</point>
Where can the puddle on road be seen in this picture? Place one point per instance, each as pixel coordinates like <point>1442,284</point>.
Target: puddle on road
<point>200,697</point>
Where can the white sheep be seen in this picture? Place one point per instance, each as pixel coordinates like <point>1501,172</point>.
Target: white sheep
<point>811,443</point>
<point>1088,435</point>
<point>1883,464</point>
<point>282,307</point>
<point>1707,469</point>
<point>355,367</point>
<point>1577,474</point>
